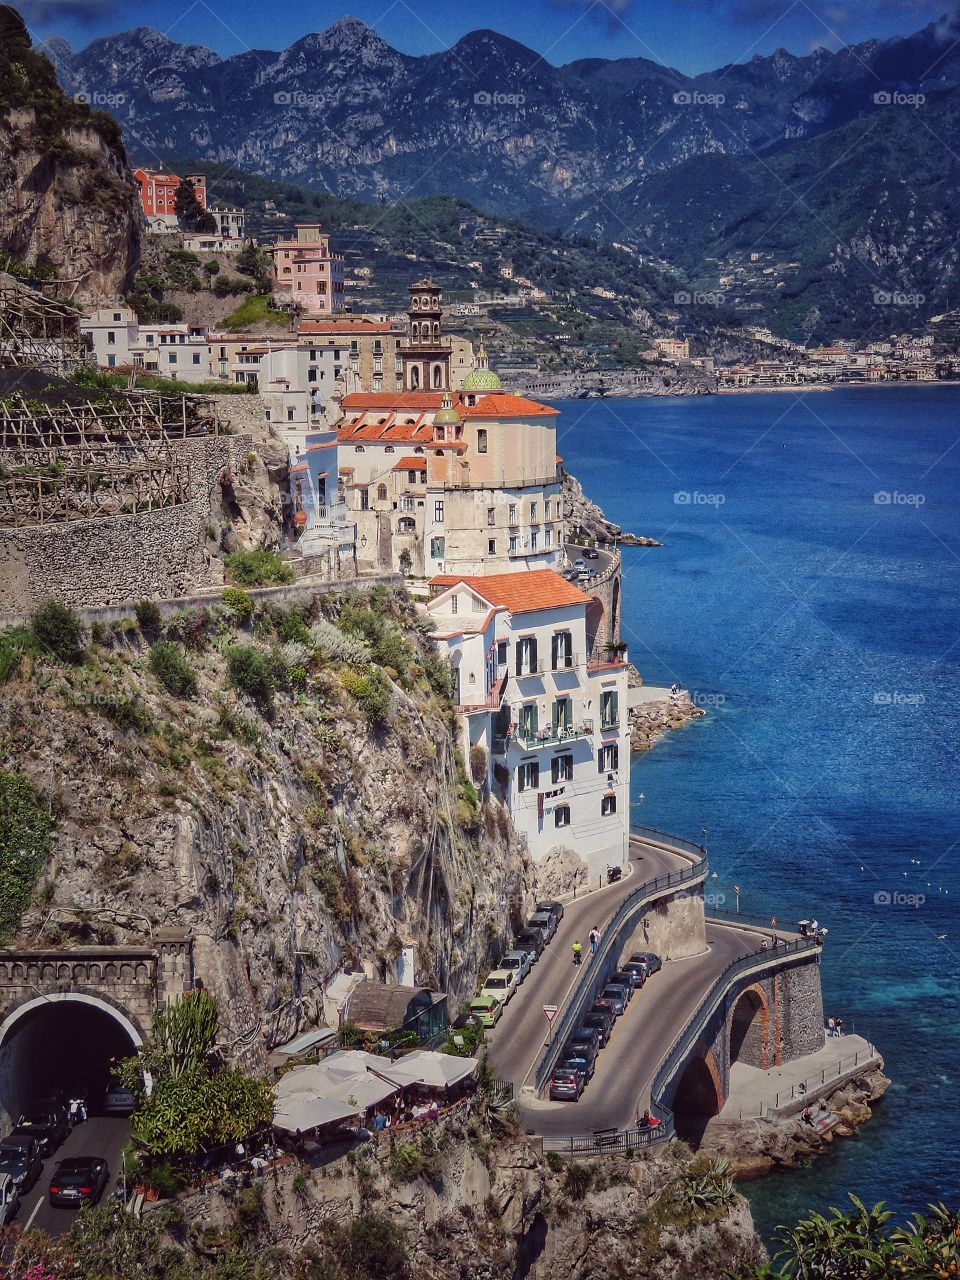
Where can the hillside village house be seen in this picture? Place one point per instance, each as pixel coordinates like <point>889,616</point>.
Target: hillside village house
<point>307,269</point>
<point>548,724</point>
<point>439,483</point>
<point>118,340</point>
<point>158,196</point>
<point>373,345</point>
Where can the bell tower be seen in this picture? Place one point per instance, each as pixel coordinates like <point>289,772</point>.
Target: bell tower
<point>425,356</point>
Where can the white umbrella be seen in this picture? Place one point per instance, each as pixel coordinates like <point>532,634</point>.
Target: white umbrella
<point>305,1111</point>
<point>433,1070</point>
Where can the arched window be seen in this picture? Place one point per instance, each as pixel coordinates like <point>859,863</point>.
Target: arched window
<point>416,304</point>
<point>389,449</point>
<point>406,524</point>
<point>437,377</point>
<point>436,330</point>
<point>381,493</point>
<point>359,449</point>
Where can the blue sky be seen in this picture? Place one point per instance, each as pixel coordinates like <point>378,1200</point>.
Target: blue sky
<point>693,35</point>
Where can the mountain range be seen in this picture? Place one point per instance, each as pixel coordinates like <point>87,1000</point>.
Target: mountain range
<point>804,189</point>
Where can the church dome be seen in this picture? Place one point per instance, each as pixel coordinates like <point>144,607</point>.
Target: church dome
<point>482,378</point>
<point>446,415</point>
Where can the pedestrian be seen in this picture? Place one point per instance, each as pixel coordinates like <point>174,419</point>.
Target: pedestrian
<point>831,1026</point>
<point>577,951</point>
<point>773,922</point>
<point>594,940</point>
<point>839,1026</point>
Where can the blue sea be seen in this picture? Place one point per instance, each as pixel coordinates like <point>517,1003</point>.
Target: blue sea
<point>808,594</point>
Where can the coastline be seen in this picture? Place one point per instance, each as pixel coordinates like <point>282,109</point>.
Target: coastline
<point>804,387</point>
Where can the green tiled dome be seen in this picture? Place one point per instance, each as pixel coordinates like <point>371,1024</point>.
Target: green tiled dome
<point>482,380</point>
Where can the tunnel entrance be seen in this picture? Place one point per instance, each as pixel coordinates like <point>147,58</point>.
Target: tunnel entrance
<point>61,1043</point>
<point>696,1101</point>
<point>747,1031</point>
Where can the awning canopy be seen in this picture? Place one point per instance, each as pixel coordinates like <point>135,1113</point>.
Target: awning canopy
<point>433,1070</point>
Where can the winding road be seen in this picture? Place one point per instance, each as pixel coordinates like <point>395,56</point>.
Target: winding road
<point>657,1013</point>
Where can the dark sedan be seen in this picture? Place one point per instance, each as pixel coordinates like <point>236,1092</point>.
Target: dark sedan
<point>21,1159</point>
<point>553,907</point>
<point>529,940</point>
<point>617,995</point>
<point>565,1085</point>
<point>79,1181</point>
<point>624,978</point>
<point>578,1062</point>
<point>637,972</point>
<point>601,1022</point>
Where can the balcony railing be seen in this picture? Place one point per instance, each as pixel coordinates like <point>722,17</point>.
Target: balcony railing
<point>551,735</point>
<point>564,662</point>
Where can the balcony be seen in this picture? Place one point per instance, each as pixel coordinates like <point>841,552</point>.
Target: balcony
<point>609,722</point>
<point>553,735</point>
<point>544,666</point>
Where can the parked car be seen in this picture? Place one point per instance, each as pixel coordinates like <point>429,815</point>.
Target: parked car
<point>582,1063</point>
<point>118,1100</point>
<point>9,1198</point>
<point>580,563</point>
<point>648,959</point>
<point>21,1161</point>
<point>530,940</point>
<point>500,984</point>
<point>519,963</point>
<point>604,1006</point>
<point>78,1181</point>
<point>486,1010</point>
<point>582,1049</point>
<point>566,1085</point>
<point>545,922</point>
<point>585,1036</point>
<point>591,553</point>
<point>600,1021</point>
<point>625,979</point>
<point>617,995</point>
<point>554,908</point>
<point>637,972</point>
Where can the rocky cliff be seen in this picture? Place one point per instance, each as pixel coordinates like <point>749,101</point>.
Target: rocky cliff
<point>297,804</point>
<point>456,1201</point>
<point>70,206</point>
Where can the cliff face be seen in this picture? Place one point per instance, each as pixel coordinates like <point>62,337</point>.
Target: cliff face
<point>70,202</point>
<point>318,834</point>
<point>460,1203</point>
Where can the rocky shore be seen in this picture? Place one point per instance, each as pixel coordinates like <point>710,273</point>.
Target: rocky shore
<point>585,520</point>
<point>755,1147</point>
<point>651,720</point>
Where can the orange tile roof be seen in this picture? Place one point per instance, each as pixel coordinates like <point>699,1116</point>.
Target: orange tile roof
<point>521,592</point>
<point>395,400</point>
<point>411,464</point>
<point>505,405</point>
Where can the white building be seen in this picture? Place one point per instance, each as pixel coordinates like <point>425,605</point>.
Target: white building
<point>230,223</point>
<point>553,725</point>
<point>118,340</point>
<point>111,331</point>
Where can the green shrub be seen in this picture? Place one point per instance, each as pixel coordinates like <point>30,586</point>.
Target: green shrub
<point>148,616</point>
<point>26,829</point>
<point>59,631</point>
<point>125,712</point>
<point>372,694</point>
<point>238,604</point>
<point>258,568</point>
<point>251,672</point>
<point>172,669</point>
<point>292,627</point>
<point>192,628</point>
<point>13,645</point>
<point>211,267</point>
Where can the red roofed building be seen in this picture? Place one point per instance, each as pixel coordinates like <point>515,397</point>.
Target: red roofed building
<point>551,723</point>
<point>158,195</point>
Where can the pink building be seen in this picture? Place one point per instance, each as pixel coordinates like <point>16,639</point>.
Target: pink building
<point>307,269</point>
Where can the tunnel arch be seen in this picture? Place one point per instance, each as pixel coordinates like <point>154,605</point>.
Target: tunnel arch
<point>698,1097</point>
<point>749,1028</point>
<point>63,1042</point>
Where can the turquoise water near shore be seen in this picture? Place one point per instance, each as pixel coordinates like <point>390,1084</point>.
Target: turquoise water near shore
<point>808,594</point>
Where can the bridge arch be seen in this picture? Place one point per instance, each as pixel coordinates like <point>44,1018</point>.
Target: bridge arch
<point>749,1028</point>
<point>698,1097</point>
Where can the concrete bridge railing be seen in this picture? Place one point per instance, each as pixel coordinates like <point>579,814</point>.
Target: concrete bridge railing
<point>599,966</point>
